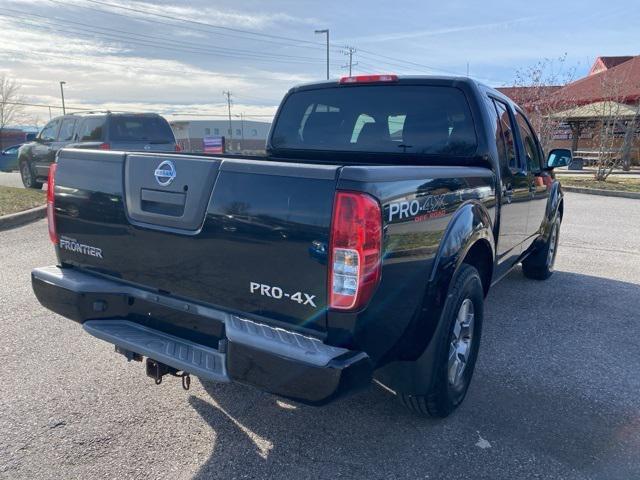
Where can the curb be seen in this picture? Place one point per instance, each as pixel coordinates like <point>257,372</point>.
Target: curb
<point>20,218</point>
<point>604,193</point>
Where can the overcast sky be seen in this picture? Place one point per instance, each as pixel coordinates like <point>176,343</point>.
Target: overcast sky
<point>179,56</point>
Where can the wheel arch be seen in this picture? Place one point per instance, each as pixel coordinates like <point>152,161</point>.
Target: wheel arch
<point>468,239</point>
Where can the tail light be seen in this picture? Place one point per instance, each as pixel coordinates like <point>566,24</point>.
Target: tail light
<point>355,250</point>
<point>369,79</point>
<point>104,146</point>
<point>51,186</point>
<point>178,148</point>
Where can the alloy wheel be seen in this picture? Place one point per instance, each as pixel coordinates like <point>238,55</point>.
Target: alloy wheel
<point>461,342</point>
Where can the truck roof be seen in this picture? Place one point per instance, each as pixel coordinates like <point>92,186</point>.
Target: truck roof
<point>444,80</point>
<point>402,79</point>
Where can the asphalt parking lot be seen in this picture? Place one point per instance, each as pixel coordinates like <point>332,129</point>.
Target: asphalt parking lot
<point>555,393</point>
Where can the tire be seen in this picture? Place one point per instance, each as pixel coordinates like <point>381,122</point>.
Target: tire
<point>450,381</point>
<point>539,265</point>
<point>28,177</point>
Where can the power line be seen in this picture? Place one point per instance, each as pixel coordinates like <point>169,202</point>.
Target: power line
<point>396,61</point>
<point>159,42</point>
<point>206,24</point>
<point>164,112</point>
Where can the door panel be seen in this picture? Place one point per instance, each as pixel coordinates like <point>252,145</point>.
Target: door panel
<point>42,150</point>
<point>514,208</point>
<point>537,179</point>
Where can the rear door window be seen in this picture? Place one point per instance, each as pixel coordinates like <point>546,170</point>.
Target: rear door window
<point>66,130</point>
<point>140,128</point>
<point>399,119</point>
<point>507,133</point>
<point>91,129</point>
<point>530,144</point>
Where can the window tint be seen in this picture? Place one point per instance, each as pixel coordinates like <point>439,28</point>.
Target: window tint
<point>12,150</point>
<point>506,131</point>
<point>402,119</point>
<point>66,129</point>
<point>145,128</point>
<point>48,133</point>
<point>530,144</point>
<point>91,129</point>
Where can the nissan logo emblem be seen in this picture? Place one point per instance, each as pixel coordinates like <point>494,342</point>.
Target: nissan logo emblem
<point>165,173</point>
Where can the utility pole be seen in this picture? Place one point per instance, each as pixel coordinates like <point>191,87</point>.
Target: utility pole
<point>228,95</point>
<point>326,31</point>
<point>64,112</point>
<point>350,51</point>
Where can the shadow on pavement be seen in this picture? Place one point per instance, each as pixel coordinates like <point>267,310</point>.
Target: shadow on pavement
<point>554,394</point>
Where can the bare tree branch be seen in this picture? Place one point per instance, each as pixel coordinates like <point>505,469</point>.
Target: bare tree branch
<point>9,97</point>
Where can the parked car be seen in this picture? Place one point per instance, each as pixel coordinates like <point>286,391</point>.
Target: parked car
<point>362,246</point>
<point>9,158</point>
<point>104,131</point>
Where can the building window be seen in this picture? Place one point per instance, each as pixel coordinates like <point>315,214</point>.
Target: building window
<point>238,132</point>
<point>216,131</point>
<point>254,132</point>
<point>207,131</point>
<point>228,131</point>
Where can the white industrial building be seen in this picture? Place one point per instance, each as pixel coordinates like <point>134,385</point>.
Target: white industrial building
<point>243,135</point>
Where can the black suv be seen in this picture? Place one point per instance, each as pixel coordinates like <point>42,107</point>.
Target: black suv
<point>104,131</point>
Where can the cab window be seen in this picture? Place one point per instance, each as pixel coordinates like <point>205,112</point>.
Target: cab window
<point>506,127</point>
<point>91,129</point>
<point>530,144</point>
<point>66,129</point>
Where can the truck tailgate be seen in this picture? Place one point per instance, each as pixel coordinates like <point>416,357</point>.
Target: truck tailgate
<point>244,235</point>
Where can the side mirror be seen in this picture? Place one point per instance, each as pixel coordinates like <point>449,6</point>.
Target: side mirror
<point>559,157</point>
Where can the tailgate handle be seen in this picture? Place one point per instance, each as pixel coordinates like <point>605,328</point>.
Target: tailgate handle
<point>164,203</point>
<point>156,196</point>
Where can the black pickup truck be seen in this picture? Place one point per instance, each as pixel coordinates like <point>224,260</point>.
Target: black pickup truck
<point>361,247</point>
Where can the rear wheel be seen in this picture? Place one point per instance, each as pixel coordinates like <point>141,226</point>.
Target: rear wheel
<point>459,343</point>
<point>28,177</point>
<point>539,265</point>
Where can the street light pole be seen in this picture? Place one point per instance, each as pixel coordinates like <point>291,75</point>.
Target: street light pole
<point>64,112</point>
<point>326,30</point>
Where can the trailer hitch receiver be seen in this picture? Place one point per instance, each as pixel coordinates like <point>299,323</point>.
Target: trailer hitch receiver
<point>157,370</point>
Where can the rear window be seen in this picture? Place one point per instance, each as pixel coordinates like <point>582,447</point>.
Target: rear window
<point>403,119</point>
<point>149,129</point>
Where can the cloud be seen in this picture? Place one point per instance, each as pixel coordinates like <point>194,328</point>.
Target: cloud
<point>213,15</point>
<point>103,76</point>
<point>386,37</point>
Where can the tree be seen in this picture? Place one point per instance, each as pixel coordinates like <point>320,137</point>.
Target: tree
<point>629,134</point>
<point>10,98</point>
<point>535,86</point>
<point>617,119</point>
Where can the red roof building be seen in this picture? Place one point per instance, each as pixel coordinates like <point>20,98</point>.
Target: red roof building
<point>605,63</point>
<point>619,83</point>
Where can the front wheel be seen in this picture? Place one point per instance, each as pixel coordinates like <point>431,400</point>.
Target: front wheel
<point>28,177</point>
<point>539,265</point>
<point>459,344</point>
